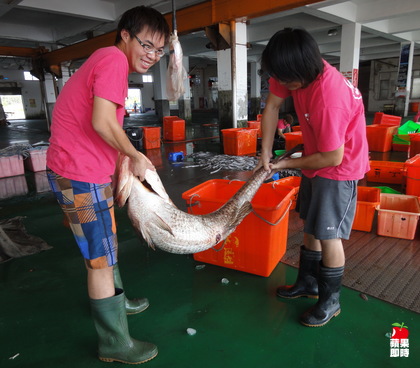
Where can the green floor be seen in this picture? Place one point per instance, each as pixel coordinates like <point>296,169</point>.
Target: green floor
<point>45,322</point>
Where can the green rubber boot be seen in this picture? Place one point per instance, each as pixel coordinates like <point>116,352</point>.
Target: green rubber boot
<point>132,306</point>
<point>114,340</point>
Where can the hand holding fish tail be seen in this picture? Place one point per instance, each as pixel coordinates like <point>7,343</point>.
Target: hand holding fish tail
<point>139,164</point>
<point>264,161</point>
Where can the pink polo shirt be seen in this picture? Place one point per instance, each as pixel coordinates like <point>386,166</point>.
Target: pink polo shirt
<point>331,114</point>
<point>76,151</point>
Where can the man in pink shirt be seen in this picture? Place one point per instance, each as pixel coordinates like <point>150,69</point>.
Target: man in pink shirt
<point>331,116</point>
<point>86,138</point>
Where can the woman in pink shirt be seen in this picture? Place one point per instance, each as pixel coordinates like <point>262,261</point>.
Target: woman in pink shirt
<point>331,116</point>
<point>86,138</point>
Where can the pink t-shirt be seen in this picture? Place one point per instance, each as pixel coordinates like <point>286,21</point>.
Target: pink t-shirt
<point>76,151</point>
<point>331,114</point>
<point>282,124</point>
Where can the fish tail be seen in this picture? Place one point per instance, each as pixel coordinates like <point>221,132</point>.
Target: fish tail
<point>124,180</point>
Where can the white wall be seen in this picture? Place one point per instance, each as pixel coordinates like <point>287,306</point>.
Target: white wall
<point>380,69</point>
<point>31,93</point>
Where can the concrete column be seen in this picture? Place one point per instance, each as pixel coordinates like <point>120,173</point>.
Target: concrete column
<point>255,93</point>
<point>232,79</point>
<point>405,68</point>
<point>159,89</point>
<point>184,103</point>
<point>350,51</point>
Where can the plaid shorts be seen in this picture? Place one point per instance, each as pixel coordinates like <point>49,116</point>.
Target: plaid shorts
<point>89,209</point>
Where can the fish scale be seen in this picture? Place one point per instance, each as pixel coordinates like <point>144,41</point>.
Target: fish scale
<point>164,226</point>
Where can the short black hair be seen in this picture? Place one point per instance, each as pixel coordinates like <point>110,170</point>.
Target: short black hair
<point>136,19</point>
<point>292,55</point>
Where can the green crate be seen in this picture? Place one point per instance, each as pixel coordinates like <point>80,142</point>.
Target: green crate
<point>388,190</point>
<point>409,127</point>
<point>401,139</point>
<point>279,152</point>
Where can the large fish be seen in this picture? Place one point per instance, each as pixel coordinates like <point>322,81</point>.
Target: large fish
<point>164,226</point>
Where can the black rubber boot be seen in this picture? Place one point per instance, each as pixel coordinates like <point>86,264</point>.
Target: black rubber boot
<point>132,306</point>
<point>114,340</point>
<point>328,304</point>
<point>306,283</point>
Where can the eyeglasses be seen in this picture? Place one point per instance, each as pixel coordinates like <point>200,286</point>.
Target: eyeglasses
<point>150,49</point>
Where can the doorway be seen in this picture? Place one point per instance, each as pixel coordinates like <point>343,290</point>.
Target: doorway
<point>133,102</point>
<point>13,107</point>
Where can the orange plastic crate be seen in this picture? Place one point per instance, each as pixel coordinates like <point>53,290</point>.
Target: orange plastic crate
<point>379,137</point>
<point>386,172</point>
<point>296,128</point>
<point>293,182</point>
<point>412,166</point>
<point>151,137</point>
<point>239,141</point>
<point>256,125</point>
<point>398,216</point>
<point>368,200</point>
<point>259,242</point>
<point>414,144</point>
<point>384,119</point>
<point>293,139</point>
<point>173,128</point>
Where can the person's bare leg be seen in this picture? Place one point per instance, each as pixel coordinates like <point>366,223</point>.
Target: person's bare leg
<point>332,250</point>
<point>101,283</point>
<point>333,253</point>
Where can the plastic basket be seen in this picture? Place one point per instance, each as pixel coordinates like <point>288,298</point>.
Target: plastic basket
<point>413,176</point>
<point>293,139</point>
<point>387,172</point>
<point>380,136</point>
<point>388,190</point>
<point>239,141</point>
<point>259,241</point>
<point>37,159</point>
<point>409,127</point>
<point>151,137</point>
<point>11,166</point>
<point>368,199</point>
<point>293,182</point>
<point>398,216</point>
<point>255,125</point>
<point>414,144</point>
<point>384,119</point>
<point>173,128</point>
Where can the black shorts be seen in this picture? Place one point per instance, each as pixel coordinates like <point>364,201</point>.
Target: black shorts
<point>327,206</point>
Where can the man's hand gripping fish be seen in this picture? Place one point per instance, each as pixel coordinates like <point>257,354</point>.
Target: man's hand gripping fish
<point>164,226</point>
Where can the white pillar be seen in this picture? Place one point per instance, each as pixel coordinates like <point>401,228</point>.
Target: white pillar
<point>255,79</point>
<point>232,74</point>
<point>350,51</point>
<point>159,79</point>
<point>405,69</point>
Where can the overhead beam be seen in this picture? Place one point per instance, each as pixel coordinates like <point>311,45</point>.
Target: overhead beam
<point>189,19</point>
<point>18,51</point>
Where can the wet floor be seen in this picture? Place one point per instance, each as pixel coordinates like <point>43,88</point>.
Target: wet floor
<point>44,310</point>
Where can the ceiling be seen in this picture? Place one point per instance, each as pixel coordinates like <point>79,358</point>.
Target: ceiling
<point>58,23</point>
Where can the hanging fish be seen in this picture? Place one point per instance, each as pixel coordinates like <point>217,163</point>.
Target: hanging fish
<point>176,73</point>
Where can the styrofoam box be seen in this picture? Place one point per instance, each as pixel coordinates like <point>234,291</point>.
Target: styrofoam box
<point>13,186</point>
<point>37,160</point>
<point>11,166</point>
